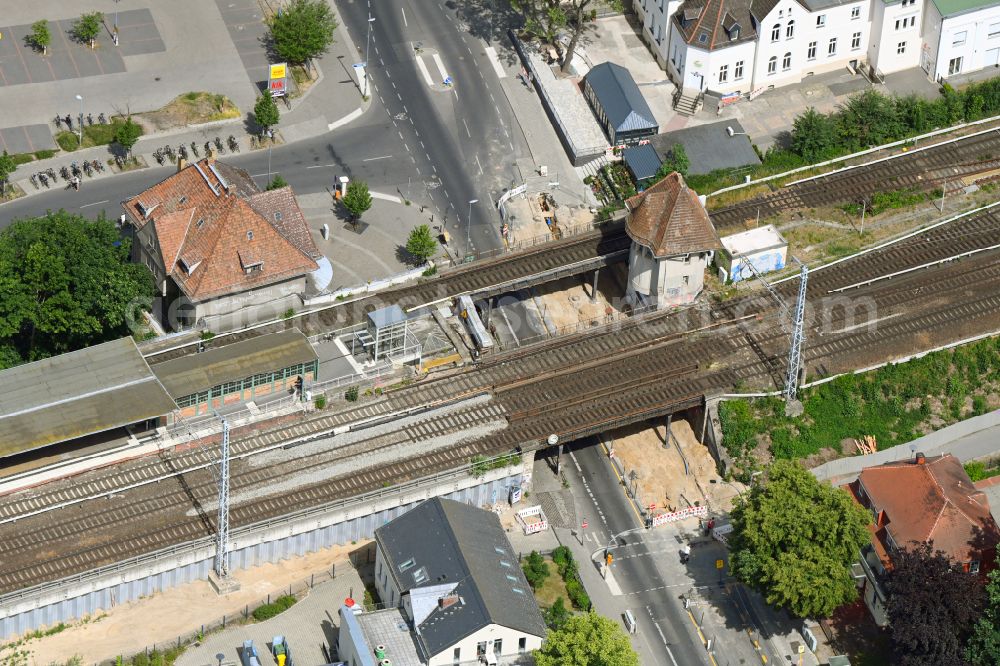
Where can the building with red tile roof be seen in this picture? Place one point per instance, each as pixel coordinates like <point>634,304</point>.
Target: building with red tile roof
<point>923,500</point>
<point>217,245</point>
<point>673,240</point>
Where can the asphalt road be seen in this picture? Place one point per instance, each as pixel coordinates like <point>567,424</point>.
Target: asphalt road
<point>664,628</point>
<point>458,138</point>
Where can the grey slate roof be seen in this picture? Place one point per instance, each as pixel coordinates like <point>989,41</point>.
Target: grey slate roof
<point>454,542</point>
<point>709,147</point>
<point>76,394</point>
<point>199,372</point>
<point>642,161</point>
<point>620,97</point>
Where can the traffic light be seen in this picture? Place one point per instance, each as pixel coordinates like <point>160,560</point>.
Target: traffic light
<point>609,558</point>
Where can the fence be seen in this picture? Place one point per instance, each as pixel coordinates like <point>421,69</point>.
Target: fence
<point>298,590</point>
<point>523,244</point>
<point>587,324</point>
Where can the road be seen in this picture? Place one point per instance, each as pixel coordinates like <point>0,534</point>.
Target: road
<point>665,634</point>
<point>435,145</point>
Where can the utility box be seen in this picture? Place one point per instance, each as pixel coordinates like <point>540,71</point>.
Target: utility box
<point>764,248</point>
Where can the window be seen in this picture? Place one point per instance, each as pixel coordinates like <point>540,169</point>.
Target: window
<point>407,565</point>
<point>786,62</point>
<point>456,656</point>
<point>856,41</point>
<point>855,13</point>
<point>723,73</point>
<point>821,20</point>
<point>498,646</point>
<point>831,49</point>
<point>958,39</point>
<point>954,66</point>
<point>994,31</point>
<point>738,70</point>
<point>522,645</point>
<point>907,3</point>
<point>481,649</point>
<point>790,30</point>
<point>772,65</point>
<point>685,280</point>
<point>811,52</point>
<point>974,567</point>
<point>901,48</point>
<point>776,32</point>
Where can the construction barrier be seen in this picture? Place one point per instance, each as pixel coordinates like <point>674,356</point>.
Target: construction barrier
<point>532,520</point>
<point>690,512</point>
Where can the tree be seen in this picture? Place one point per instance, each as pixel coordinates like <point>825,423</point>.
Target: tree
<point>869,119</point>
<point>40,36</point>
<point>794,539</point>
<point>932,607</point>
<point>579,17</point>
<point>66,283</point>
<point>677,160</point>
<point>277,183</point>
<point>265,112</point>
<point>984,646</point>
<point>87,27</point>
<point>127,133</point>
<point>557,615</point>
<point>421,243</point>
<point>542,18</point>
<point>535,569</point>
<point>587,640</point>
<point>7,167</point>
<point>302,30</point>
<point>357,200</point>
<point>813,134</point>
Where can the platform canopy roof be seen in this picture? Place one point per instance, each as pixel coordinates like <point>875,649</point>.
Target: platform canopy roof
<point>77,394</point>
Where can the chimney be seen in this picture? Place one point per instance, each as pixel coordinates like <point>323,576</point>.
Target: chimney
<point>921,459</point>
<point>181,163</point>
<point>447,601</point>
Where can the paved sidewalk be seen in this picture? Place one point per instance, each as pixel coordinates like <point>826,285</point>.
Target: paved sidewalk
<point>329,101</point>
<point>310,627</point>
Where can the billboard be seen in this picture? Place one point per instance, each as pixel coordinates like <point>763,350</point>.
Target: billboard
<point>276,79</point>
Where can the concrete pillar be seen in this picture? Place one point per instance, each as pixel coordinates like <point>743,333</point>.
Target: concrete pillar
<point>593,291</point>
<point>666,437</point>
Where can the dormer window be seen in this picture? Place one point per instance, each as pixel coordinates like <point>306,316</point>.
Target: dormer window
<point>200,222</point>
<point>188,268</point>
<point>249,235</point>
<point>182,200</point>
<point>703,38</point>
<point>250,262</point>
<point>690,15</point>
<point>277,216</point>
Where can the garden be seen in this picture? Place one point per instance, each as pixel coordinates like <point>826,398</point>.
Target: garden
<point>556,583</point>
<point>894,404</point>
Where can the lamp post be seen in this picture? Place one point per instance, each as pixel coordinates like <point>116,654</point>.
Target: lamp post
<point>80,97</point>
<point>468,227</point>
<point>368,43</point>
<point>116,22</point>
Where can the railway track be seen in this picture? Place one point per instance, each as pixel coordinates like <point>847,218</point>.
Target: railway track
<point>506,269</point>
<point>939,166</point>
<point>572,386</point>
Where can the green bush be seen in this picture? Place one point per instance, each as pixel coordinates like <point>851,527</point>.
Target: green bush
<point>976,470</point>
<point>44,154</point>
<point>267,611</point>
<point>577,595</point>
<point>556,615</point>
<point>979,405</point>
<point>535,569</point>
<point>351,394</point>
<point>320,401</point>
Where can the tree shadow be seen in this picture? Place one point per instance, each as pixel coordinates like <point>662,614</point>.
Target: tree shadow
<point>404,256</point>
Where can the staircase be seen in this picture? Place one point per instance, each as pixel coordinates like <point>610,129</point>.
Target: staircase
<point>687,102</point>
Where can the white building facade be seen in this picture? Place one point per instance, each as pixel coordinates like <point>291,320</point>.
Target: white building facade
<point>741,46</point>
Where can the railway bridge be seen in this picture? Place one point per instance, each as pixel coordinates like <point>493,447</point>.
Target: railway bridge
<point>138,526</point>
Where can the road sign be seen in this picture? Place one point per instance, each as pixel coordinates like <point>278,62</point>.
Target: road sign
<point>276,79</point>
<point>584,523</point>
<point>719,564</point>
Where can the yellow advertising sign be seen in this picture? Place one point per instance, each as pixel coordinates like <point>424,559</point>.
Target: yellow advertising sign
<point>277,71</point>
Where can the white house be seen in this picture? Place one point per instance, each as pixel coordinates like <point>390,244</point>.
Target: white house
<point>960,36</point>
<point>454,589</point>
<point>740,46</point>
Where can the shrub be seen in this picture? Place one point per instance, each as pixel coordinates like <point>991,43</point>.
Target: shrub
<point>351,394</point>
<point>976,470</point>
<point>535,570</point>
<point>979,405</point>
<point>556,615</point>
<point>320,401</point>
<point>267,611</point>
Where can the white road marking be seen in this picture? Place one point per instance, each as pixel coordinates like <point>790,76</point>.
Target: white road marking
<point>467,128</point>
<point>346,119</point>
<point>388,75</point>
<point>405,24</point>
<point>423,71</point>
<point>440,66</point>
<point>491,53</point>
<point>422,145</point>
<point>321,166</point>
<point>385,197</point>
<point>480,165</point>
<point>372,159</point>
<point>400,135</point>
<point>98,203</point>
<point>454,92</point>
<point>407,146</point>
<point>613,585</point>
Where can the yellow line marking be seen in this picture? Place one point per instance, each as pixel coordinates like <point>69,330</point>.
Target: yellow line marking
<point>631,502</point>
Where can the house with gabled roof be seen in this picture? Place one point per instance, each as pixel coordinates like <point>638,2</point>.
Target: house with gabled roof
<point>218,246</point>
<point>673,241</point>
<point>453,589</point>
<point>922,500</point>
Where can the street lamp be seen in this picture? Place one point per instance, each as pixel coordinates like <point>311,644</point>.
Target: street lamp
<point>368,43</point>
<point>80,97</point>
<point>116,22</point>
<point>468,227</point>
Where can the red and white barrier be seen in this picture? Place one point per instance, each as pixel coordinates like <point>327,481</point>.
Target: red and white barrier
<point>690,512</point>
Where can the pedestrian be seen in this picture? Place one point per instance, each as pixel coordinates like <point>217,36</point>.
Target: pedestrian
<point>76,183</point>
<point>685,553</point>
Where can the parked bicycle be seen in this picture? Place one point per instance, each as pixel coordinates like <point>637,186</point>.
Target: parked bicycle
<point>234,145</point>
